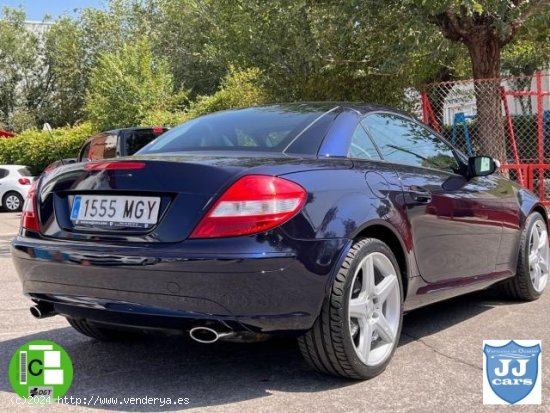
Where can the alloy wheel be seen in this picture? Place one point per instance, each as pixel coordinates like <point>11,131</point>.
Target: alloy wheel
<point>539,256</point>
<point>374,309</point>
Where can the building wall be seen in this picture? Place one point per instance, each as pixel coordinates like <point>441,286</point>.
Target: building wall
<point>460,97</point>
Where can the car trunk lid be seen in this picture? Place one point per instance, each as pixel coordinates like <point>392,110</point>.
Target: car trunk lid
<point>117,195</point>
<point>172,191</point>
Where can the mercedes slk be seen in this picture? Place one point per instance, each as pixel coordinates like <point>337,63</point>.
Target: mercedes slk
<point>324,221</point>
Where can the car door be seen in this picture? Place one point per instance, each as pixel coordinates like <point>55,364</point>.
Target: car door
<point>455,228</point>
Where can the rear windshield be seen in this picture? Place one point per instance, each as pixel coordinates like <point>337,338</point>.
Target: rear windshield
<point>137,139</point>
<point>24,171</point>
<point>265,129</point>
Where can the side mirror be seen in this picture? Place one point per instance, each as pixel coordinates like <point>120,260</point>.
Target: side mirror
<point>481,166</point>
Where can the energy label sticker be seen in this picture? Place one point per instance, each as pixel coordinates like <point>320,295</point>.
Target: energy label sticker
<point>41,369</point>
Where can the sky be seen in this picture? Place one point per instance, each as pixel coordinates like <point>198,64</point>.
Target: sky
<point>37,9</point>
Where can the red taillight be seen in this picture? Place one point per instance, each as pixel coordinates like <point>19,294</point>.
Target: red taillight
<point>157,130</point>
<point>24,181</point>
<point>109,166</point>
<point>29,218</point>
<point>255,203</point>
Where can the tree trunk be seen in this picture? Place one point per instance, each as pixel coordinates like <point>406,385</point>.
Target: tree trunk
<point>484,47</point>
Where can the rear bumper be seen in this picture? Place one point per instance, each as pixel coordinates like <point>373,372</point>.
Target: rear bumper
<point>271,287</point>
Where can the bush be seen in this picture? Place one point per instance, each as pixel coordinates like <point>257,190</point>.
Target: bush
<point>127,85</point>
<point>37,149</point>
<point>164,118</point>
<point>238,89</point>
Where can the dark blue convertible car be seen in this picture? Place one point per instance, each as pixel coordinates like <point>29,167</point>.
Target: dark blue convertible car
<point>325,221</point>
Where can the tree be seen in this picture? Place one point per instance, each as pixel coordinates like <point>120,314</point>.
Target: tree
<point>307,50</point>
<point>20,71</point>
<point>126,85</point>
<point>357,50</point>
<point>528,54</point>
<point>485,28</point>
<point>67,74</point>
<point>238,89</point>
<point>391,50</point>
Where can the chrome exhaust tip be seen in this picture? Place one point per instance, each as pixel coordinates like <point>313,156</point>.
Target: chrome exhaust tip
<point>42,310</point>
<point>207,335</point>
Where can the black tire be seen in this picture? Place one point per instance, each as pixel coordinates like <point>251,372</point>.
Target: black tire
<point>99,333</point>
<point>8,205</point>
<point>328,346</point>
<point>520,287</point>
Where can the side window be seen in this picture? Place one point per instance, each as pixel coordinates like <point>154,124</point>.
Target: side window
<point>361,146</point>
<point>406,142</point>
<point>24,171</point>
<point>137,139</point>
<point>4,173</point>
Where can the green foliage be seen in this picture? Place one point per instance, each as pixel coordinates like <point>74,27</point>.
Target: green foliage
<point>37,149</point>
<point>20,71</point>
<point>127,64</point>
<point>188,32</point>
<point>485,26</point>
<point>238,89</point>
<point>64,55</point>
<point>164,118</point>
<point>531,49</point>
<point>128,84</point>
<point>21,119</point>
<point>308,50</point>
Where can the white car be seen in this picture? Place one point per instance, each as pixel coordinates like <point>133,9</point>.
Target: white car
<point>15,182</point>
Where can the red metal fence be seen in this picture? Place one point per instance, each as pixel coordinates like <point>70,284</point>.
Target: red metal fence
<point>507,118</point>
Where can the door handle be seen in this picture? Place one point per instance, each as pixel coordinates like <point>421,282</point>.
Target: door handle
<point>420,194</point>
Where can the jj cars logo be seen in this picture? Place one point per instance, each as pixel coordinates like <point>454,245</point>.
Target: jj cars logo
<point>512,372</point>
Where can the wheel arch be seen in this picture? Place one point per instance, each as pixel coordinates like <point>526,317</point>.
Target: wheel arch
<point>383,232</point>
<point>7,193</point>
<point>538,207</point>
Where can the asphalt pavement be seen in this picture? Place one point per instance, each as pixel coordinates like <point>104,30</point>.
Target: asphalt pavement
<point>437,367</point>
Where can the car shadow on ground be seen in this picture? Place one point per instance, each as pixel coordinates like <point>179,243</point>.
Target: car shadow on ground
<point>437,317</point>
<point>214,374</point>
<point>177,367</point>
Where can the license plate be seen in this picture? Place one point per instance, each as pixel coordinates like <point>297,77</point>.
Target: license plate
<point>115,211</point>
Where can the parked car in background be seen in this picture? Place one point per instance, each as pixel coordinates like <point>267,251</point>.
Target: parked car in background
<point>327,221</point>
<point>118,142</point>
<point>15,181</point>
